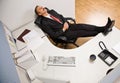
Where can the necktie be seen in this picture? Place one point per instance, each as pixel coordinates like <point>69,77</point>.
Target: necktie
<point>56,19</point>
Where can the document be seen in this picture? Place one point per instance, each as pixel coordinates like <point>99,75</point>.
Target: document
<point>35,43</point>
<point>23,55</point>
<point>31,36</point>
<point>117,48</point>
<point>33,40</point>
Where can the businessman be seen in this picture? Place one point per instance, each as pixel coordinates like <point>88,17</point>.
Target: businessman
<point>55,25</point>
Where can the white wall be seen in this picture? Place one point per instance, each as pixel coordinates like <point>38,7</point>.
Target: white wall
<point>15,13</point>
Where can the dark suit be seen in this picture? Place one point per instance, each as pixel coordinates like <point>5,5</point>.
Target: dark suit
<point>54,28</point>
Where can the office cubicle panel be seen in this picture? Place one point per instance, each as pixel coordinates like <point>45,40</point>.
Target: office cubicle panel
<point>113,76</point>
<point>10,39</point>
<point>8,73</point>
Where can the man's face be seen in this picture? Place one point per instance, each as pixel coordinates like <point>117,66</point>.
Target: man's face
<point>41,10</point>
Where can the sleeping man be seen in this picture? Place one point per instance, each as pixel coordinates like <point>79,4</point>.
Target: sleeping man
<point>55,25</point>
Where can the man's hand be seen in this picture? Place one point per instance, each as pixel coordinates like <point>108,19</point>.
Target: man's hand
<point>66,26</point>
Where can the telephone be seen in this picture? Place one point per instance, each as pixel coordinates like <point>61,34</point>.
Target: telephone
<point>106,55</point>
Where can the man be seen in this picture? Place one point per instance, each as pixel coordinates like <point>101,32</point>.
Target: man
<point>55,25</point>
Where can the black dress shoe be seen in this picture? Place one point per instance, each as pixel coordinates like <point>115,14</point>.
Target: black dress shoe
<point>108,22</point>
<point>109,27</point>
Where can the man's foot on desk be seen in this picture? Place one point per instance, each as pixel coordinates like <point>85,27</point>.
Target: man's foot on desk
<point>109,27</point>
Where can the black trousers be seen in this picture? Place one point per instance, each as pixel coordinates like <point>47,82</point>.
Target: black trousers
<point>83,30</point>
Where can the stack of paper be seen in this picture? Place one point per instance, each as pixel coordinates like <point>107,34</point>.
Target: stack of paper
<point>33,40</point>
<point>35,43</point>
<point>30,36</point>
<point>23,55</point>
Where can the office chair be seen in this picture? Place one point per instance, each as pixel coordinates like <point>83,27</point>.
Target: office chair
<point>64,41</point>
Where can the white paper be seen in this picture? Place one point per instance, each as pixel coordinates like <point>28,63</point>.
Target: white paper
<point>117,48</point>
<point>30,36</point>
<point>35,43</point>
<point>31,74</point>
<point>23,55</point>
<point>33,40</point>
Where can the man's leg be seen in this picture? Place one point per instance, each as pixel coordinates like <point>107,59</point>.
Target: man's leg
<point>87,27</point>
<point>80,33</point>
<point>104,29</point>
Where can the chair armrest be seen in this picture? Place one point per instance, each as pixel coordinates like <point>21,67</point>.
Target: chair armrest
<point>63,38</point>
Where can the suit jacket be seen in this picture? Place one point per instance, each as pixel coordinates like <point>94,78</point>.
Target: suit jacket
<point>51,27</point>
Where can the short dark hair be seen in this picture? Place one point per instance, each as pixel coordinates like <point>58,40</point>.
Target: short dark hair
<point>36,10</point>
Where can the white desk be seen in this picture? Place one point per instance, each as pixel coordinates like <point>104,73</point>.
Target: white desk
<point>85,71</point>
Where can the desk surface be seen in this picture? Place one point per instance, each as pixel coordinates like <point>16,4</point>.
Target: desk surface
<point>84,71</point>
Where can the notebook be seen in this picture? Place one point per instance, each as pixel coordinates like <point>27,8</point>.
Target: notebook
<point>20,38</point>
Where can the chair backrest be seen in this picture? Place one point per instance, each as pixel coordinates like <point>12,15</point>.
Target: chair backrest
<point>38,22</point>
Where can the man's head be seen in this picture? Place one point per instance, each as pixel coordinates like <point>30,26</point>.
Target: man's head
<point>40,10</point>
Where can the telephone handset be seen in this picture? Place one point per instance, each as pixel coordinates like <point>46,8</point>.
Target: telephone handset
<point>106,55</point>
